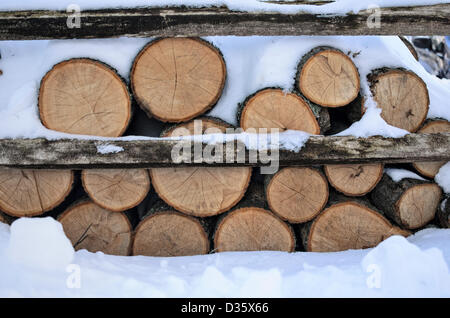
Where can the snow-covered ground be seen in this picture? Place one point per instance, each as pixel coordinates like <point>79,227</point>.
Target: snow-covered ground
<point>37,260</point>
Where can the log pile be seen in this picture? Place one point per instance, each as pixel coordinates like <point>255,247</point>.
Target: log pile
<point>198,210</point>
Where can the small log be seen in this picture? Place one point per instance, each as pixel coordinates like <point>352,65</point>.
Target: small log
<point>402,96</point>
<point>273,108</point>
<point>296,194</point>
<point>430,169</point>
<point>177,79</point>
<point>25,193</point>
<point>410,47</point>
<point>411,203</point>
<point>354,180</point>
<point>200,191</point>
<point>347,223</point>
<point>116,189</point>
<point>83,96</point>
<point>443,213</point>
<point>91,227</point>
<point>328,77</point>
<point>166,232</point>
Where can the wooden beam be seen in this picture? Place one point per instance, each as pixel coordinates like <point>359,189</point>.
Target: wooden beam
<point>83,154</point>
<point>182,21</point>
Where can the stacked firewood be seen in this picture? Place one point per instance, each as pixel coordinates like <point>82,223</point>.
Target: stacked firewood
<point>198,210</point>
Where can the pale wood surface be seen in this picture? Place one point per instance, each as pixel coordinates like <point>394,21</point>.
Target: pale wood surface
<point>83,96</point>
<point>169,233</point>
<point>89,226</point>
<point>116,189</point>
<point>354,180</point>
<point>33,192</point>
<point>177,79</point>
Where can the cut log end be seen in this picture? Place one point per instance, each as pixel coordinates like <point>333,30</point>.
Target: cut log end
<point>273,108</point>
<point>329,78</point>
<point>348,225</point>
<point>169,233</point>
<point>297,195</point>
<point>430,169</point>
<point>402,97</point>
<point>200,191</point>
<point>116,189</point>
<point>25,193</point>
<point>89,226</point>
<point>177,79</point>
<point>354,180</point>
<point>253,229</point>
<point>83,96</point>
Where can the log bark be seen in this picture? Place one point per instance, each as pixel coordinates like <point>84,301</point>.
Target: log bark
<point>273,108</point>
<point>443,213</point>
<point>328,77</point>
<point>177,79</point>
<point>25,193</point>
<point>166,232</point>
<point>354,180</point>
<point>402,97</point>
<point>203,191</point>
<point>296,194</point>
<point>84,96</point>
<point>347,223</point>
<point>410,47</point>
<point>116,189</point>
<point>91,227</point>
<point>411,203</point>
<point>430,169</point>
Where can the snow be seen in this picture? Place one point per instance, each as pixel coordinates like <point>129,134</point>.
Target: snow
<point>399,174</point>
<point>443,177</point>
<point>414,267</point>
<point>108,148</point>
<point>338,7</point>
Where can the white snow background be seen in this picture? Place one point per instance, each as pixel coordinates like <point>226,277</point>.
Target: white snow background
<point>36,257</point>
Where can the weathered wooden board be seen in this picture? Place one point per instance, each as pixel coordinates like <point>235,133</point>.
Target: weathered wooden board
<point>182,21</point>
<point>83,154</point>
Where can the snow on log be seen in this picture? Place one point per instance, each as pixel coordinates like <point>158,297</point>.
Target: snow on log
<point>116,189</point>
<point>411,203</point>
<point>354,180</point>
<point>430,169</point>
<point>84,96</point>
<point>25,193</point>
<point>328,77</point>
<point>200,191</point>
<point>177,79</point>
<point>402,96</point>
<point>274,108</point>
<point>296,194</point>
<point>91,227</point>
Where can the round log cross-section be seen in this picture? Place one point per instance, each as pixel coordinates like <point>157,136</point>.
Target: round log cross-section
<point>328,77</point>
<point>83,96</point>
<point>26,193</point>
<point>169,233</point>
<point>89,226</point>
<point>297,195</point>
<point>116,189</point>
<point>177,79</point>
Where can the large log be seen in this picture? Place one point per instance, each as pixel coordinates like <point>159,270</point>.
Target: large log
<point>411,203</point>
<point>177,79</point>
<point>183,21</point>
<point>116,189</point>
<point>204,191</point>
<point>89,226</point>
<point>402,97</point>
<point>328,77</point>
<point>83,96</point>
<point>347,223</point>
<point>25,193</point>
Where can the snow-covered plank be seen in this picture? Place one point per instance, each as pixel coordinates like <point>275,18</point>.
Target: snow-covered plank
<point>85,154</point>
<point>182,21</point>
